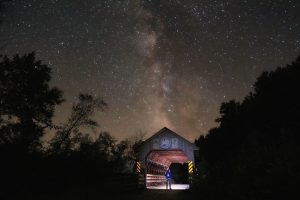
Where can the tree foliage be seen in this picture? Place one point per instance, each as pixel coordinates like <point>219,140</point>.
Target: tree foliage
<point>81,117</point>
<point>74,158</point>
<point>27,102</point>
<point>254,152</point>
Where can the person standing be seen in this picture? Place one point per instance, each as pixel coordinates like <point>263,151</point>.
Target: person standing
<point>168,179</point>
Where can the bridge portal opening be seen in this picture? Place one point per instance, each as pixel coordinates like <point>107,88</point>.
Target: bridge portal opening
<point>166,150</point>
<point>157,163</point>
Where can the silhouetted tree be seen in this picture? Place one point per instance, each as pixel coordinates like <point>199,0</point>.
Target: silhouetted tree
<point>68,134</point>
<point>27,102</point>
<point>121,156</point>
<point>106,144</point>
<point>74,159</point>
<point>135,142</point>
<point>254,151</point>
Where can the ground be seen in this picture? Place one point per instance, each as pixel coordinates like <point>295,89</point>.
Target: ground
<point>160,195</point>
<point>81,194</point>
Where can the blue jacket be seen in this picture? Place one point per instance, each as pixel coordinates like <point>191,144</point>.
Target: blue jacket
<point>168,174</point>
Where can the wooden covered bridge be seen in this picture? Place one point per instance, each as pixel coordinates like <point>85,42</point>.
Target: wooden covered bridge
<point>167,150</point>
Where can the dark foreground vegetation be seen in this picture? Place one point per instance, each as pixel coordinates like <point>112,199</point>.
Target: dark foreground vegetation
<point>71,161</point>
<point>253,153</point>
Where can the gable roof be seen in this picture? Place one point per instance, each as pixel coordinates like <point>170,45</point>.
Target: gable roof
<point>165,129</point>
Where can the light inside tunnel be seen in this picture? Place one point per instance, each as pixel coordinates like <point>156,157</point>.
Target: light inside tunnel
<point>157,162</point>
<point>164,157</point>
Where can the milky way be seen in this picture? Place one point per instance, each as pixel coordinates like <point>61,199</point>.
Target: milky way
<point>156,63</point>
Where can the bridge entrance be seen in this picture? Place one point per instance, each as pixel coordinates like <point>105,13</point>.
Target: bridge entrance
<point>167,150</point>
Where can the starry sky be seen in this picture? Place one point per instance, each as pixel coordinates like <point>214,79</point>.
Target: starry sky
<point>156,63</point>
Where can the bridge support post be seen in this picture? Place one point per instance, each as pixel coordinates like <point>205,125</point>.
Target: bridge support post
<point>191,172</point>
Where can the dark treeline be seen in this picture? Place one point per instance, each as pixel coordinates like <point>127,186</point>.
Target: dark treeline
<point>71,159</point>
<point>254,152</point>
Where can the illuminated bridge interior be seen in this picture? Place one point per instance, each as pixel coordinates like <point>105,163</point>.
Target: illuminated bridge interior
<point>157,164</point>
<point>167,150</point>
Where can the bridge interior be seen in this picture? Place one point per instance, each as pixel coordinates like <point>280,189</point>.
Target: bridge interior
<point>157,162</point>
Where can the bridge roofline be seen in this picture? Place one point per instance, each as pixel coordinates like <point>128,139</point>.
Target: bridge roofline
<point>164,129</point>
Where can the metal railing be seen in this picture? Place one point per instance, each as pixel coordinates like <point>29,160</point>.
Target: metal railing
<point>154,180</point>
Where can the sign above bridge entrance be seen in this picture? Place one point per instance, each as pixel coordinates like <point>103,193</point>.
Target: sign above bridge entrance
<point>165,143</point>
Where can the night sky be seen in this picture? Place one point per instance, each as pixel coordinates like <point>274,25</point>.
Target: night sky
<point>156,63</point>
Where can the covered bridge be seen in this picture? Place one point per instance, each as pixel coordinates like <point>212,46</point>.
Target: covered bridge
<point>160,151</point>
